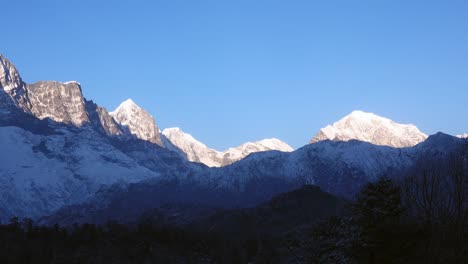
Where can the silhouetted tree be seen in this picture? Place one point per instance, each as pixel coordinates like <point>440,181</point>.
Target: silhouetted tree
<point>377,211</point>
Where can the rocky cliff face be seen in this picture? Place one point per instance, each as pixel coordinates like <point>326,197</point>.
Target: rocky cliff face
<point>61,102</point>
<point>102,120</point>
<point>13,93</point>
<point>64,103</point>
<point>371,128</point>
<point>10,79</point>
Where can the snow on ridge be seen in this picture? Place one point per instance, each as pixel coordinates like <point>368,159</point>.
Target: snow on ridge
<point>127,105</point>
<point>196,151</point>
<point>72,82</point>
<point>274,143</point>
<point>369,127</point>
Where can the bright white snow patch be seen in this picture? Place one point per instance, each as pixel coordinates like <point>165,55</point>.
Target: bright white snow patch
<point>70,82</point>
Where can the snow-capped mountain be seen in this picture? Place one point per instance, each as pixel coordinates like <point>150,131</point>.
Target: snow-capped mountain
<point>139,122</point>
<point>371,128</point>
<point>465,135</point>
<point>185,144</point>
<point>338,167</point>
<point>59,149</point>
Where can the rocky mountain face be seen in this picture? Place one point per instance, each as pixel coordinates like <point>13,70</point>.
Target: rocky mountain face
<point>195,151</point>
<point>61,102</point>
<point>103,121</point>
<point>137,121</point>
<point>10,79</point>
<point>58,149</point>
<point>64,103</point>
<point>13,92</point>
<point>371,128</point>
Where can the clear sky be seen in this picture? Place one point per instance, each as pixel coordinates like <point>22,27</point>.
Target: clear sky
<point>242,70</point>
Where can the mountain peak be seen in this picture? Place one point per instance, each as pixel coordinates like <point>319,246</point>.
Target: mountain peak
<point>440,139</point>
<point>9,76</point>
<point>172,129</point>
<point>138,121</point>
<point>175,133</point>
<point>358,114</point>
<point>274,143</point>
<point>369,127</point>
<point>127,104</point>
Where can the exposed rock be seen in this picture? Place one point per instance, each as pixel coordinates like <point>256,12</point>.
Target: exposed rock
<point>10,79</point>
<point>13,92</point>
<point>102,120</point>
<point>61,102</point>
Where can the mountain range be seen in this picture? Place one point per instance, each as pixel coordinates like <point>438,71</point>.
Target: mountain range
<point>183,143</point>
<point>66,159</point>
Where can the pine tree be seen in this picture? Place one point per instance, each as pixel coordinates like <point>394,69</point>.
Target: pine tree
<point>377,211</point>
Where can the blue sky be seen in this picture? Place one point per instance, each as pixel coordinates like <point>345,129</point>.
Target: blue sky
<point>235,71</point>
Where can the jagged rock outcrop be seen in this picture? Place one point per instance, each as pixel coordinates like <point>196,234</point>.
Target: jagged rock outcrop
<point>9,77</point>
<point>137,121</point>
<point>13,93</point>
<point>61,102</point>
<point>185,144</point>
<point>371,128</point>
